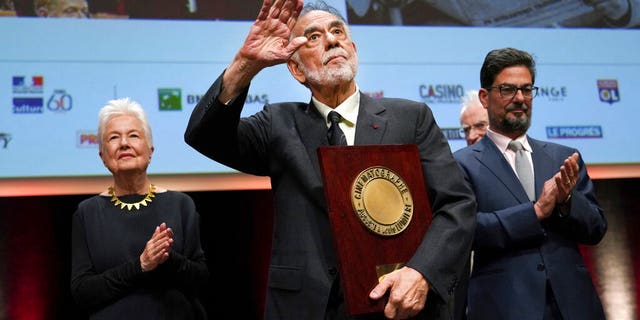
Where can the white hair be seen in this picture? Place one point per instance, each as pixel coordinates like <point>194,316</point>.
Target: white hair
<point>469,100</point>
<point>119,107</point>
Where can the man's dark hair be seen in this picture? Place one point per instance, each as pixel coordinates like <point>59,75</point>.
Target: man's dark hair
<point>498,59</point>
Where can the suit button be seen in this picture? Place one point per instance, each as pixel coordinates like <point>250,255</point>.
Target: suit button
<point>333,271</point>
<point>540,266</point>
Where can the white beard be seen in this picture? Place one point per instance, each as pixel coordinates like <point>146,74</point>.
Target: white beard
<point>332,75</point>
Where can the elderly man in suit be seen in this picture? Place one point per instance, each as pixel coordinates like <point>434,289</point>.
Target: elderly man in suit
<point>281,141</point>
<point>527,264</point>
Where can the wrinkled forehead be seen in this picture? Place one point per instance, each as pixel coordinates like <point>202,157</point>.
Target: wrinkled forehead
<point>120,121</point>
<point>315,20</point>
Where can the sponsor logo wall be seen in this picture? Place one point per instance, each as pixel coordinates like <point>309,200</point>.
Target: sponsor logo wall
<point>588,82</point>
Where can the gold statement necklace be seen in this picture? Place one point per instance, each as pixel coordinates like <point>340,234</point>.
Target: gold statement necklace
<point>117,202</point>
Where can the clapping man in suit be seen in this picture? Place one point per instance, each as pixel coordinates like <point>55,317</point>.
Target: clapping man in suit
<point>281,142</point>
<point>527,264</point>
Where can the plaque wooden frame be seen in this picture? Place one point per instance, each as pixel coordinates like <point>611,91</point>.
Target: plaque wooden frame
<point>363,254</point>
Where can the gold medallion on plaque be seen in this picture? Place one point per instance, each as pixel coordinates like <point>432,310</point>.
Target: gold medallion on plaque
<point>382,201</point>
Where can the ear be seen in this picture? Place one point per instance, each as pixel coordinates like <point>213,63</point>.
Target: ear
<point>483,95</point>
<point>294,69</point>
<point>151,153</point>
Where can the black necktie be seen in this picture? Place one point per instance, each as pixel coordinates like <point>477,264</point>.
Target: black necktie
<point>335,135</point>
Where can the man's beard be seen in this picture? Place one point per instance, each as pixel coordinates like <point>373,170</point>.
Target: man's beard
<point>520,124</point>
<point>516,125</point>
<point>332,75</point>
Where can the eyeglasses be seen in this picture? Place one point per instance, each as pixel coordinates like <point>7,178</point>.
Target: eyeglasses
<point>508,91</point>
<point>481,126</point>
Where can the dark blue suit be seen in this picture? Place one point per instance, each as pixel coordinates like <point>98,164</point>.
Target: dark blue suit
<point>515,253</point>
<point>281,141</point>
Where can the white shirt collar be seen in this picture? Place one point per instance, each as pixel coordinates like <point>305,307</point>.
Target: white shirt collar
<point>348,109</point>
<point>502,141</point>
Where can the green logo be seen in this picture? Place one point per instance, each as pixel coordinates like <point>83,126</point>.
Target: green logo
<point>170,99</point>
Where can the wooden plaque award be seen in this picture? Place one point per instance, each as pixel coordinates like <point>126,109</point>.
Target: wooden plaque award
<point>379,212</point>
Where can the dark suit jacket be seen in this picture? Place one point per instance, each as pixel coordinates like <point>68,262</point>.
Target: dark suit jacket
<point>515,253</point>
<point>281,141</point>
